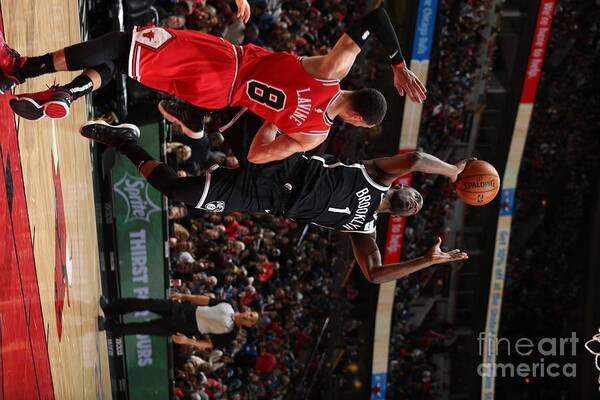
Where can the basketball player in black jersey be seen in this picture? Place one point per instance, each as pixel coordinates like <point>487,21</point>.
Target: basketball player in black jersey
<point>320,190</point>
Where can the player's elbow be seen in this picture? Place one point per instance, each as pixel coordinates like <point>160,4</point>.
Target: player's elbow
<point>254,158</point>
<point>260,157</point>
<point>415,159</point>
<point>371,273</point>
<point>371,278</point>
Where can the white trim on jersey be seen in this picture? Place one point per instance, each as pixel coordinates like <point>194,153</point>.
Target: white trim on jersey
<point>233,120</point>
<point>137,63</point>
<point>356,165</point>
<point>327,120</point>
<point>131,50</point>
<point>208,175</point>
<point>365,232</point>
<point>237,63</point>
<point>371,181</point>
<point>326,80</point>
<point>312,133</point>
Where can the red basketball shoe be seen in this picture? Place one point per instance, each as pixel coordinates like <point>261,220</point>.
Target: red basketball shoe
<point>54,103</point>
<point>10,66</point>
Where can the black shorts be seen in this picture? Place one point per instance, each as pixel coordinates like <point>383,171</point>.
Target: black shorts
<point>258,187</point>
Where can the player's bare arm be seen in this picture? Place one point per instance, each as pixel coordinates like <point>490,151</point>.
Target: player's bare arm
<point>197,300</point>
<point>267,147</point>
<point>198,344</point>
<point>368,258</point>
<point>336,64</point>
<point>399,165</point>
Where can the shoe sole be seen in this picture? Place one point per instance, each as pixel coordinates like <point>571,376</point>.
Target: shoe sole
<point>56,109</point>
<point>27,108</point>
<point>135,129</point>
<point>174,120</point>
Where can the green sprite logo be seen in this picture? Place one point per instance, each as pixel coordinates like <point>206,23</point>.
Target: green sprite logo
<point>134,191</point>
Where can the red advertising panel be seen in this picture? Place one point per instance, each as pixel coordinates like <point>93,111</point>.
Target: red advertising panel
<point>538,49</point>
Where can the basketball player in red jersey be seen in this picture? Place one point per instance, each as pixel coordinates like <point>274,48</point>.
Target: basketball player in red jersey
<point>297,96</point>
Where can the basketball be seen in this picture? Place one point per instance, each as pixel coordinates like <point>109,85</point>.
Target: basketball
<point>478,184</point>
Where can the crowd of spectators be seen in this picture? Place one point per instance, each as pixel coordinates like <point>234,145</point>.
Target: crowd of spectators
<point>454,71</point>
<point>296,26</point>
<point>256,261</point>
<point>546,275</point>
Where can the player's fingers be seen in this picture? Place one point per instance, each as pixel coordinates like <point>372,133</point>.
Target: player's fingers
<point>406,89</point>
<point>423,88</point>
<point>418,93</point>
<point>412,94</point>
<point>418,90</point>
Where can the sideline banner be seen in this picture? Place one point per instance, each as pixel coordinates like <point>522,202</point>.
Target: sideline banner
<point>411,121</point>
<point>509,184</point>
<point>140,239</point>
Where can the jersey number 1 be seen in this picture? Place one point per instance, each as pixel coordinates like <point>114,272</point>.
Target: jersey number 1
<point>266,95</point>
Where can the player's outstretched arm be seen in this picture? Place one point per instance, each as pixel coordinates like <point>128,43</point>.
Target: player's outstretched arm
<point>378,22</point>
<point>416,161</point>
<point>197,300</point>
<point>368,258</point>
<point>266,147</point>
<point>199,344</point>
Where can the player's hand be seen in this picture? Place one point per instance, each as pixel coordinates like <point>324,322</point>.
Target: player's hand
<point>243,12</point>
<point>460,167</point>
<point>179,339</point>
<point>407,82</point>
<point>176,296</point>
<point>437,256</point>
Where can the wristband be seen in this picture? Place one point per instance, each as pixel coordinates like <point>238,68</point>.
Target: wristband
<point>401,64</point>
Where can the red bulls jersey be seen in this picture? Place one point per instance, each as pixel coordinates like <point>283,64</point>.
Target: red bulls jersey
<point>277,88</point>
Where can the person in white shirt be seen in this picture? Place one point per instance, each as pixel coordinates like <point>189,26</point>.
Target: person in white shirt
<point>184,317</point>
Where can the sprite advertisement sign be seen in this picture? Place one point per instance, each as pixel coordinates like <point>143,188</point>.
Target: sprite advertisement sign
<point>139,216</point>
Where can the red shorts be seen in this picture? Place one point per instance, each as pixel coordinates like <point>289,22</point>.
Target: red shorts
<point>194,66</point>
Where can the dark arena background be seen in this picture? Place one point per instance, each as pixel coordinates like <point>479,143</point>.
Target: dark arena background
<point>515,83</point>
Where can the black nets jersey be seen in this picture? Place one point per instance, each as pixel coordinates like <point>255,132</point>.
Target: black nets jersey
<point>335,195</point>
<point>321,190</point>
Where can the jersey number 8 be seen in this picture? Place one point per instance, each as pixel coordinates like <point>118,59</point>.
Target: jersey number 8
<point>266,95</point>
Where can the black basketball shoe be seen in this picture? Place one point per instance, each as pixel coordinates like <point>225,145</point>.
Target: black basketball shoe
<point>110,135</point>
<point>10,68</point>
<point>54,103</point>
<point>189,117</point>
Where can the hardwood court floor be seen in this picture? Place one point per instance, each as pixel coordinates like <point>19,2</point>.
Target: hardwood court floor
<point>49,343</point>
